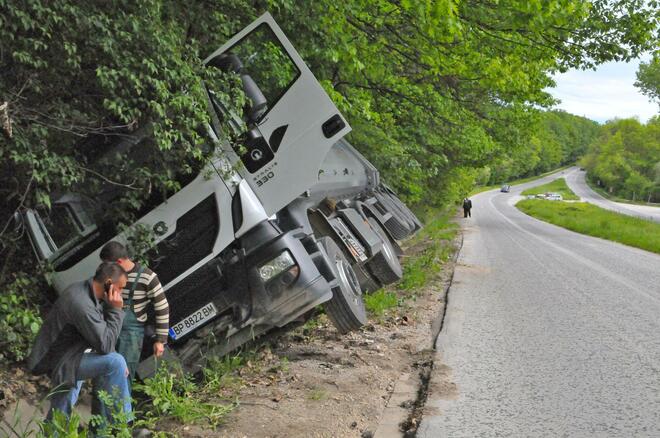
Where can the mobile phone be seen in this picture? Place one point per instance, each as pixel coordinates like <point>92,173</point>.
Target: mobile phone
<point>106,287</point>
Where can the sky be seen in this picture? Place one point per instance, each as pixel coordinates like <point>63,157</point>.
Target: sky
<point>603,94</point>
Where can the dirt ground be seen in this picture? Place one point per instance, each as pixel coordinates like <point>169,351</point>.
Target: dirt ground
<point>336,385</point>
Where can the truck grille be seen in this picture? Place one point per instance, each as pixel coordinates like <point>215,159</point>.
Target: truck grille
<point>194,237</point>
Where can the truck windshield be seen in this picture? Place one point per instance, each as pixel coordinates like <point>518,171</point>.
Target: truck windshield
<point>66,222</point>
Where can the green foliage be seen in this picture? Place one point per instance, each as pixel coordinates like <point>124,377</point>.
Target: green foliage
<point>558,139</point>
<point>556,186</point>
<point>19,320</point>
<point>63,426</point>
<point>174,394</point>
<point>220,373</point>
<point>379,302</point>
<point>119,427</point>
<point>435,239</point>
<point>594,221</point>
<point>433,89</point>
<point>648,78</point>
<point>625,159</point>
<point>140,239</point>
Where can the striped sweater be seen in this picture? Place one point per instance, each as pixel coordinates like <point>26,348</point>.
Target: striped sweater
<point>149,290</point>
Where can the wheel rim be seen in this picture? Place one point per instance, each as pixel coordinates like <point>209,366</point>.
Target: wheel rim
<point>348,278</point>
<point>387,248</point>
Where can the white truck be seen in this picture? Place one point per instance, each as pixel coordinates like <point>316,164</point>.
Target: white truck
<point>292,218</point>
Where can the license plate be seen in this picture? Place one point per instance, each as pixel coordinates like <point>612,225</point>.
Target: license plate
<point>192,321</point>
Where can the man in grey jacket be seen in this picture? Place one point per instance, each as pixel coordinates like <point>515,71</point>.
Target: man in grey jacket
<point>77,341</point>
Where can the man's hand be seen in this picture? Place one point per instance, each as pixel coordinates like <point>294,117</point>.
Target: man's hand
<point>114,297</point>
<point>159,348</point>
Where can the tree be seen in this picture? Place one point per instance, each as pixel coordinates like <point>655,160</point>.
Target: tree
<point>434,90</point>
<point>648,78</point>
<point>625,157</point>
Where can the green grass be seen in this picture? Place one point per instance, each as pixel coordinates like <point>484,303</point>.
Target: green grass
<point>594,221</point>
<point>556,186</point>
<point>480,189</point>
<point>380,301</point>
<point>420,268</point>
<point>426,254</point>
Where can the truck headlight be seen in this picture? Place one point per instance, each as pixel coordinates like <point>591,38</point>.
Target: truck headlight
<point>276,266</point>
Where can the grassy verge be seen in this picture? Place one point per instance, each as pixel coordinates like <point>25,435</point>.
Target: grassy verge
<point>480,189</point>
<point>429,250</point>
<point>614,198</point>
<point>594,221</point>
<point>556,186</point>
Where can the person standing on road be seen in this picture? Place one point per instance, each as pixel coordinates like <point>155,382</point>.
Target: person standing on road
<point>467,207</point>
<point>142,288</point>
<point>77,342</point>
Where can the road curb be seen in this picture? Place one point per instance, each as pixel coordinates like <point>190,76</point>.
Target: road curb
<point>399,418</point>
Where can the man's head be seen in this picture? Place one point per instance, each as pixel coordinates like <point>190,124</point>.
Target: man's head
<point>115,252</point>
<point>108,274</point>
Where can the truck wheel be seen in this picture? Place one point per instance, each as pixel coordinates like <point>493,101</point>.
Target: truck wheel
<point>384,265</point>
<point>403,207</point>
<point>398,224</point>
<point>346,308</point>
<point>401,212</point>
<point>368,282</point>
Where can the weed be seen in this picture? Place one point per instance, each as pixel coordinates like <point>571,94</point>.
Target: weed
<point>63,426</point>
<point>219,374</point>
<point>380,301</point>
<point>174,394</point>
<point>312,324</point>
<point>317,394</point>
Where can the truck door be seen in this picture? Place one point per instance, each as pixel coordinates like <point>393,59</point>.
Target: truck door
<point>291,121</point>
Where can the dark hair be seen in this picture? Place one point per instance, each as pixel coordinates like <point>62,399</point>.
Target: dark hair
<point>113,251</point>
<point>108,271</point>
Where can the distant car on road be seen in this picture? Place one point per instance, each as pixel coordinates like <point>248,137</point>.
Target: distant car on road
<point>505,188</point>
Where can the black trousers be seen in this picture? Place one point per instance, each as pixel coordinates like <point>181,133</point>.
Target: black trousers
<point>466,212</point>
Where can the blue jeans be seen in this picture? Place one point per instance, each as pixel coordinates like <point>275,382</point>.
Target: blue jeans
<point>108,373</point>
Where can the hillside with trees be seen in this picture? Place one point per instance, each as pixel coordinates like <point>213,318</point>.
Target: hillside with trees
<point>558,139</point>
<point>625,159</point>
<point>438,93</point>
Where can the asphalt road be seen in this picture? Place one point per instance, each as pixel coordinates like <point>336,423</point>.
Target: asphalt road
<point>547,333</point>
<point>575,179</point>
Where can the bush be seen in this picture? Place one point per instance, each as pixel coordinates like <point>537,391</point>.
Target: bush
<point>19,321</point>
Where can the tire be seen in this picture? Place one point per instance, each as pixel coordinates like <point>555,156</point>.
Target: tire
<point>401,210</point>
<point>385,265</point>
<point>368,282</point>
<point>398,225</point>
<point>404,208</point>
<point>346,308</point>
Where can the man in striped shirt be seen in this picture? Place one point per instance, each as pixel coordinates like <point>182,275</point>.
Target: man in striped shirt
<point>142,288</point>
